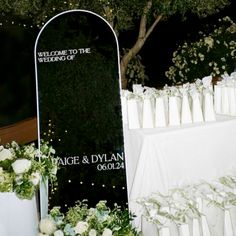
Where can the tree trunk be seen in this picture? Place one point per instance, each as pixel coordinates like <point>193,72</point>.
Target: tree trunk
<point>126,59</point>
<point>142,37</point>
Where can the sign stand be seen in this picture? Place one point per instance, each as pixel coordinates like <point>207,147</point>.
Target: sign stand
<point>79,109</point>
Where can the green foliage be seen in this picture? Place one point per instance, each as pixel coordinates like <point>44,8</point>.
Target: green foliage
<point>6,181</point>
<point>25,190</point>
<point>135,72</point>
<point>201,7</point>
<point>121,14</point>
<point>22,7</point>
<point>214,53</point>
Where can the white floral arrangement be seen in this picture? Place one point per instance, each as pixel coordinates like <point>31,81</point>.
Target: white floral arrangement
<point>213,54</point>
<point>84,221</point>
<point>23,167</point>
<point>181,204</point>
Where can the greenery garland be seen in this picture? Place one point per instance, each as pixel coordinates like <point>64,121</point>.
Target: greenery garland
<point>181,204</point>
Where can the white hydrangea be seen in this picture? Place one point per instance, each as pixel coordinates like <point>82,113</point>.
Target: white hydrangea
<point>81,227</point>
<point>47,226</point>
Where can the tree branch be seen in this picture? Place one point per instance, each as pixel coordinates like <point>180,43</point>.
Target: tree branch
<point>153,26</point>
<point>143,20</point>
<point>143,35</point>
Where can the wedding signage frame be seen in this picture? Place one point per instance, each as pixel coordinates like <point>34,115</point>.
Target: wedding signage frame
<point>108,166</point>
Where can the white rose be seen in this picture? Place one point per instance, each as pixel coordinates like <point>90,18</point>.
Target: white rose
<point>58,233</point>
<point>47,226</point>
<point>35,178</point>
<point>92,232</point>
<point>107,232</point>
<point>81,227</point>
<point>5,154</point>
<point>21,166</point>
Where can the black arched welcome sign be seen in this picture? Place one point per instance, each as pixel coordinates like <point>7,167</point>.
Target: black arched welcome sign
<point>79,108</point>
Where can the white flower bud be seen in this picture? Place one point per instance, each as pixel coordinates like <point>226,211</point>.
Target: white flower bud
<point>92,232</point>
<point>47,226</point>
<point>58,233</point>
<point>107,232</point>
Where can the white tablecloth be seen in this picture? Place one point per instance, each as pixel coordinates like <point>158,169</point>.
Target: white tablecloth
<point>17,217</point>
<point>162,158</point>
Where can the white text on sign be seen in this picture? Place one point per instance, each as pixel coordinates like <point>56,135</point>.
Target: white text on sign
<point>61,55</point>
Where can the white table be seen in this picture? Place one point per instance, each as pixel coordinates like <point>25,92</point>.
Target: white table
<point>162,158</point>
<point>17,217</point>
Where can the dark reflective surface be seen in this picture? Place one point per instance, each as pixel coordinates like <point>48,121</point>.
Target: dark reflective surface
<point>79,108</point>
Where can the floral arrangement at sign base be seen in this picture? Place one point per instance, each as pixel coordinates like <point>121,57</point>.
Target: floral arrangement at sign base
<point>83,221</point>
<point>23,167</point>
